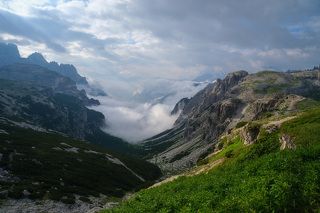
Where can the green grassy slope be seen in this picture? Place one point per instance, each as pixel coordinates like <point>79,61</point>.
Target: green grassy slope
<point>52,166</point>
<point>255,178</point>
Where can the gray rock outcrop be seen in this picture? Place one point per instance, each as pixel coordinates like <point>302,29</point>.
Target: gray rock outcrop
<point>215,110</point>
<point>286,142</point>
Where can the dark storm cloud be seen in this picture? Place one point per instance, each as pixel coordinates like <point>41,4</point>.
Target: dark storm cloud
<point>188,32</point>
<point>257,24</point>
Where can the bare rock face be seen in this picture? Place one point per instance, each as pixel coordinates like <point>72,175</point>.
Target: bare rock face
<point>44,107</point>
<point>180,106</point>
<point>215,110</point>
<point>286,142</point>
<point>250,133</point>
<point>204,118</point>
<point>264,105</point>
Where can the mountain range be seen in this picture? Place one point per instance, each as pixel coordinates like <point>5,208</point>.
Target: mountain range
<point>52,146</point>
<point>240,97</point>
<point>9,54</point>
<point>246,143</point>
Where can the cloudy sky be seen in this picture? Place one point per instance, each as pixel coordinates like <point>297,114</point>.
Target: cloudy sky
<point>147,48</point>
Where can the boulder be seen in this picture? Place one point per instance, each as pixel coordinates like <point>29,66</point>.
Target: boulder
<point>286,142</point>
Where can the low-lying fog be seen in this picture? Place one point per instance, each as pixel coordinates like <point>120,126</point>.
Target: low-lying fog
<point>148,111</point>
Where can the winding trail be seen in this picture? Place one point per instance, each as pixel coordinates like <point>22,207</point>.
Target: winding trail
<point>196,171</point>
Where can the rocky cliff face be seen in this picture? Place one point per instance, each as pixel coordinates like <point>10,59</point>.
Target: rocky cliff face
<point>180,106</point>
<point>40,76</point>
<point>240,97</point>
<point>32,96</point>
<point>41,106</point>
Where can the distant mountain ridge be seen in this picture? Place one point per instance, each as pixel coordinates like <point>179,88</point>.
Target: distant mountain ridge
<point>67,70</point>
<point>9,54</point>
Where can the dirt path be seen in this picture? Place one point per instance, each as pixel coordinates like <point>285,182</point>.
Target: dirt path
<point>196,171</point>
<point>278,123</point>
<point>205,168</point>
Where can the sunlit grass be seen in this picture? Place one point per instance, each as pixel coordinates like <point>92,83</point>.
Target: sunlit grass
<point>256,178</point>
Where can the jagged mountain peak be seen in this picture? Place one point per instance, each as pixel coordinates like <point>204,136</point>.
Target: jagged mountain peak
<point>11,49</point>
<point>240,73</point>
<point>9,53</point>
<point>234,77</point>
<point>37,58</point>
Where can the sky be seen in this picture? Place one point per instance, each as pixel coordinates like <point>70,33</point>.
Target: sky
<point>142,50</point>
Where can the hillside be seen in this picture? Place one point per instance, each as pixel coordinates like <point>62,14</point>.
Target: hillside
<point>277,171</point>
<point>52,150</point>
<point>238,98</point>
<point>35,95</point>
<point>44,165</point>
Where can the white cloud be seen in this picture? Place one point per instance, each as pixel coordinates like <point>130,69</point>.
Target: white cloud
<point>23,7</point>
<point>148,112</point>
<point>135,122</point>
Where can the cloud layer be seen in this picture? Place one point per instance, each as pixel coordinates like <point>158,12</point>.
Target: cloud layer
<point>163,38</point>
<point>135,122</point>
<point>149,112</point>
<point>141,50</point>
